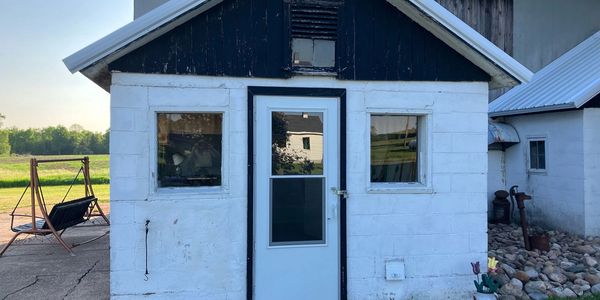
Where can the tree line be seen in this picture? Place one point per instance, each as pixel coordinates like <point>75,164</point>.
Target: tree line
<point>54,140</point>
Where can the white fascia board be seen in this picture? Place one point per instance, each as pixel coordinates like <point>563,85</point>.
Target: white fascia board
<point>125,36</point>
<point>504,69</point>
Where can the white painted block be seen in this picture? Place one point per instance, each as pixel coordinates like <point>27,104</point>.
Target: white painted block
<point>187,97</point>
<point>394,270</point>
<point>128,96</point>
<point>128,142</point>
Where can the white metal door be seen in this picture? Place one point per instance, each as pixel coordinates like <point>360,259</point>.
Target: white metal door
<point>296,245</point>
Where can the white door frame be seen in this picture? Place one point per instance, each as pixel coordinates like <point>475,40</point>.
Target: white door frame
<point>340,95</point>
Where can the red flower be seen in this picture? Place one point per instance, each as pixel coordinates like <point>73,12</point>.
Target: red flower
<point>476,268</point>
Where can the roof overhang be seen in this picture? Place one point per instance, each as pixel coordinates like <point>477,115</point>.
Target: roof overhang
<point>580,100</point>
<point>569,82</point>
<point>93,60</point>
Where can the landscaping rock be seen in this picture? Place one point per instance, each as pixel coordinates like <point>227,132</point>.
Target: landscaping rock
<point>558,277</point>
<point>585,249</point>
<point>577,289</point>
<point>596,289</point>
<point>590,261</point>
<point>575,268</point>
<point>516,283</point>
<point>535,286</point>
<point>510,289</point>
<point>522,276</point>
<point>531,273</point>
<point>569,269</point>
<point>569,293</point>
<point>510,271</point>
<point>537,296</point>
<point>592,279</point>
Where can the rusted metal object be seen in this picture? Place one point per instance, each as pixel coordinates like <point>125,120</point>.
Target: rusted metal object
<point>501,208</point>
<point>540,242</point>
<point>519,198</point>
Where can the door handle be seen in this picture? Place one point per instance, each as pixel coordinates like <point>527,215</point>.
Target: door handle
<point>339,192</point>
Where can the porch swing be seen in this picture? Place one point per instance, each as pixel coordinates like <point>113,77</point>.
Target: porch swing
<point>63,215</point>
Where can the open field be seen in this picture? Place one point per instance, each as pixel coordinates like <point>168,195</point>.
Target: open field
<point>52,194</point>
<point>14,170</point>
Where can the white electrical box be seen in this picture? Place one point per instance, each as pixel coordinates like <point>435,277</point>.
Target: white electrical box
<point>394,270</point>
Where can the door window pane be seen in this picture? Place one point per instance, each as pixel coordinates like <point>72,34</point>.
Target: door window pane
<point>189,149</point>
<point>297,211</point>
<point>297,143</point>
<point>394,148</point>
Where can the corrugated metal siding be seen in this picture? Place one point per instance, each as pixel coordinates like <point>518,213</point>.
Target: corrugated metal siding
<point>568,82</point>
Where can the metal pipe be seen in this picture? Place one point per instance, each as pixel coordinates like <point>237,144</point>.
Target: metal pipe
<point>60,160</point>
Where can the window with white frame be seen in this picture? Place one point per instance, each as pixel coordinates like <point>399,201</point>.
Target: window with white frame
<point>189,149</point>
<point>397,149</point>
<point>537,154</point>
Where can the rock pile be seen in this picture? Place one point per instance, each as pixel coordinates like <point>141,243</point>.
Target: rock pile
<point>570,269</point>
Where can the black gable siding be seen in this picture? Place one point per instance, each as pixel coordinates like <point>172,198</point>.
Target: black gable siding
<point>248,38</point>
<point>378,42</point>
<point>240,38</point>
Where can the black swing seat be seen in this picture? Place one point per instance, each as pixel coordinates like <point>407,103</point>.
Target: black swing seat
<point>63,215</point>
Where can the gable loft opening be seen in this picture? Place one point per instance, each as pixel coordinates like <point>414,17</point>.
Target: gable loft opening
<point>313,30</point>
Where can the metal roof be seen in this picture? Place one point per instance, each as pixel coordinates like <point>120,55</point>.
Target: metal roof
<point>92,61</point>
<point>567,83</point>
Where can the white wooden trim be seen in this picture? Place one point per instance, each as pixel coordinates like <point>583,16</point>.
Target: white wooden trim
<point>536,138</point>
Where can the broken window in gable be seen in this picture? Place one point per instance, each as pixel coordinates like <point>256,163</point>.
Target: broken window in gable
<point>313,30</point>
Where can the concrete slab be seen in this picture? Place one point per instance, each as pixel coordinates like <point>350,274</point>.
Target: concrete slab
<point>47,271</point>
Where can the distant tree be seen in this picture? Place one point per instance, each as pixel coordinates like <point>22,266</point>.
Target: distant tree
<point>4,141</point>
<point>57,140</point>
<point>76,128</point>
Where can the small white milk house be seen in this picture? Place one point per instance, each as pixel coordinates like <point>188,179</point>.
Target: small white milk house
<point>557,161</point>
<point>298,149</point>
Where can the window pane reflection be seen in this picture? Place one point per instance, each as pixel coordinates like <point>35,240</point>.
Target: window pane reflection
<point>394,148</point>
<point>297,143</point>
<point>189,149</point>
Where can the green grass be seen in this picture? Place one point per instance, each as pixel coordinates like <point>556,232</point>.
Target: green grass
<point>52,194</point>
<point>14,171</point>
<point>593,297</point>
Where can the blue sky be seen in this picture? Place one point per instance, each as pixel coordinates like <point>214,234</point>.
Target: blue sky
<point>36,89</point>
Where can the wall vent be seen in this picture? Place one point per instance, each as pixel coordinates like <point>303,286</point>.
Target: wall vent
<point>311,21</point>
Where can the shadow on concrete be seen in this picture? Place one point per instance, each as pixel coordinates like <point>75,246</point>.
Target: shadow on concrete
<point>47,271</point>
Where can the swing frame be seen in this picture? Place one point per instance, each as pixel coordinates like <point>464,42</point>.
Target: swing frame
<point>37,200</point>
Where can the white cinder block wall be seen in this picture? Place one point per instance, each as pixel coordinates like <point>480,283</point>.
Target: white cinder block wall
<point>197,241</point>
<point>591,170</point>
<point>557,193</point>
<point>496,176</point>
